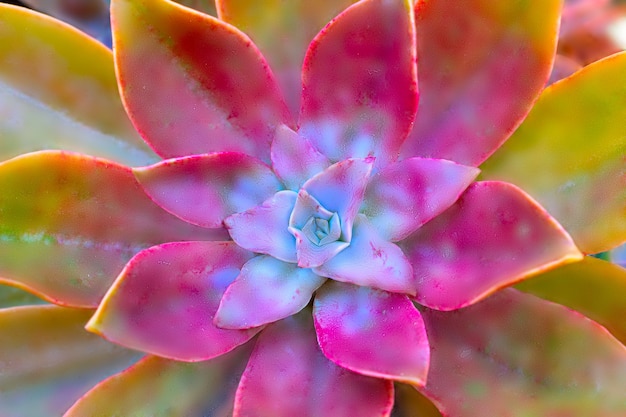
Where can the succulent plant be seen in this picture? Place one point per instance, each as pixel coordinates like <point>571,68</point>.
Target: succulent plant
<point>344,262</point>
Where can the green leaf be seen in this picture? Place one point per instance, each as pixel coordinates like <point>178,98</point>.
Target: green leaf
<point>11,296</point>
<point>570,151</point>
<point>49,360</point>
<point>58,91</point>
<point>593,287</point>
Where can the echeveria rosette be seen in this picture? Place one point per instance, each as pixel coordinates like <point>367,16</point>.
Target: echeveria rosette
<point>263,169</point>
<point>325,211</point>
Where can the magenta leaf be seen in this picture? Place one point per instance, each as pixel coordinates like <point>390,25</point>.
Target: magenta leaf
<point>370,261</point>
<point>340,189</point>
<point>407,194</point>
<point>165,299</point>
<point>371,332</point>
<point>208,87</point>
<point>265,291</point>
<point>482,64</point>
<point>288,376</point>
<point>294,158</point>
<point>493,236</point>
<point>360,83</point>
<point>205,189</point>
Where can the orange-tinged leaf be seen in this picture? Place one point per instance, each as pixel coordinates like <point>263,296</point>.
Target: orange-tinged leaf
<point>69,223</point>
<point>162,387</point>
<point>517,355</point>
<point>49,360</point>
<point>193,84</point>
<point>593,287</point>
<point>570,154</point>
<point>58,91</point>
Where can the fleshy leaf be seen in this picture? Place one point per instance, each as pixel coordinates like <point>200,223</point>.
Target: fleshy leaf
<point>67,98</point>
<point>204,6</point>
<point>164,301</point>
<point>493,236</point>
<point>359,94</point>
<point>407,194</point>
<point>70,222</point>
<point>516,355</point>
<point>158,387</point>
<point>291,24</point>
<point>265,291</point>
<point>370,261</point>
<point>49,360</point>
<point>12,296</point>
<point>409,402</point>
<point>594,287</point>
<point>208,86</point>
<point>340,189</point>
<point>263,229</point>
<point>371,332</point>
<point>294,159</point>
<point>482,64</point>
<point>288,376</point>
<point>579,120</point>
<point>205,189</point>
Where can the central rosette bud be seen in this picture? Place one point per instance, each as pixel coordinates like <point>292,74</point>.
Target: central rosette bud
<point>317,231</point>
<point>322,231</point>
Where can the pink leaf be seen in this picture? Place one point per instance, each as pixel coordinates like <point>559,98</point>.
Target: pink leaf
<point>288,376</point>
<point>493,236</point>
<point>482,64</point>
<point>207,86</point>
<point>407,194</point>
<point>516,355</point>
<point>205,189</point>
<point>263,229</point>
<point>294,158</point>
<point>165,299</point>
<point>370,261</point>
<point>265,291</point>
<point>371,332</point>
<point>360,83</point>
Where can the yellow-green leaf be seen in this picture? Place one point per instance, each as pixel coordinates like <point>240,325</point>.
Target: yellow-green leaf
<point>570,154</point>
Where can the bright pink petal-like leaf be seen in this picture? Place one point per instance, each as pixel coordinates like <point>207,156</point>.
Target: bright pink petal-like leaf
<point>371,332</point>
<point>163,387</point>
<point>294,159</point>
<point>407,194</point>
<point>370,261</point>
<point>165,299</point>
<point>288,376</point>
<point>69,223</point>
<point>482,64</point>
<point>360,82</point>
<point>205,189</point>
<point>48,360</point>
<point>263,229</point>
<point>340,189</point>
<point>208,87</point>
<point>516,355</point>
<point>265,291</point>
<point>493,236</point>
